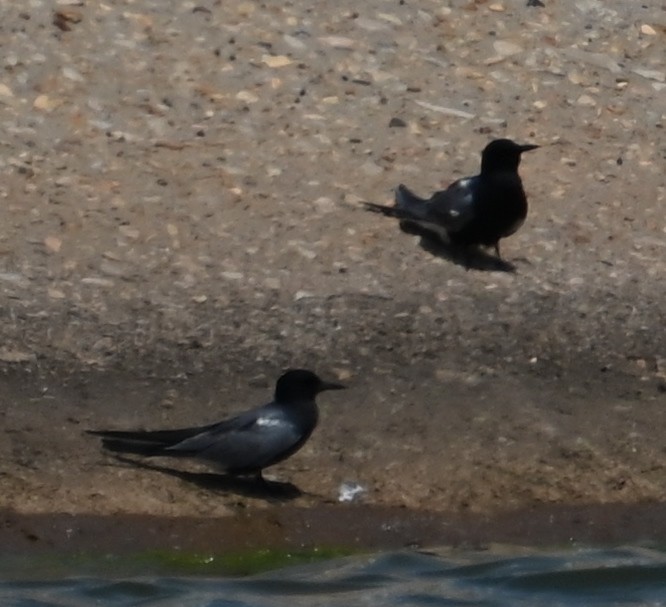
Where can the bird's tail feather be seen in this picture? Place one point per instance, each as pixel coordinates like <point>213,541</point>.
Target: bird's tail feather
<point>144,442</point>
<point>118,445</point>
<point>408,206</point>
<point>385,210</point>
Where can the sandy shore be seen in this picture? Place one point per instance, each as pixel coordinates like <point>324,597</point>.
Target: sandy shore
<point>181,188</point>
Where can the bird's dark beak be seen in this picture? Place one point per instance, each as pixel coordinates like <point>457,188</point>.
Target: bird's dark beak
<point>527,147</point>
<point>326,385</point>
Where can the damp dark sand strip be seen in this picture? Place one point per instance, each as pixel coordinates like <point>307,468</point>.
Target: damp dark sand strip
<point>354,528</point>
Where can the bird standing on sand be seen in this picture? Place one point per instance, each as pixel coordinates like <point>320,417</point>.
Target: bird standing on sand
<point>242,445</point>
<point>472,211</point>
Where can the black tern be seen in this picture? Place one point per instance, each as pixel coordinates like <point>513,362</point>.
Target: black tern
<point>472,211</point>
<point>242,445</point>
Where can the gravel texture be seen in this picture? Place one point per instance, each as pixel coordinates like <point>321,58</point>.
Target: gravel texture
<point>181,187</point>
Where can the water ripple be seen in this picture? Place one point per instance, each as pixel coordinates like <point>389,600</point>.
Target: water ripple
<point>623,577</point>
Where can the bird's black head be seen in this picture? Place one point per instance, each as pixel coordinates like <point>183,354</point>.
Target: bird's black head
<point>503,155</point>
<point>301,384</point>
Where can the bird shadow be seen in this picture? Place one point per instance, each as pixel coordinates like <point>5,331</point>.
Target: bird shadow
<point>246,486</point>
<point>470,258</point>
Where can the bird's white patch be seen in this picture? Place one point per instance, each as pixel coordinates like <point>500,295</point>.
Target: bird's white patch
<point>454,213</point>
<point>268,422</point>
<point>464,183</point>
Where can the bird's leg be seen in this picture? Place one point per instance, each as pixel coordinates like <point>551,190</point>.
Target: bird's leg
<point>497,250</point>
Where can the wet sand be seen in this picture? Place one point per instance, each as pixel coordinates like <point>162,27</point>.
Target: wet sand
<point>346,528</point>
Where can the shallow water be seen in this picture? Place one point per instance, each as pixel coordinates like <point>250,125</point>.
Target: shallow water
<point>502,577</point>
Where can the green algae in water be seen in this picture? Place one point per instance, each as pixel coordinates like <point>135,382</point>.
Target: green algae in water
<point>244,563</point>
<point>171,562</point>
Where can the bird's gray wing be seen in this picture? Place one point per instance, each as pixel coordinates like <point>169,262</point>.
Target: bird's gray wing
<point>156,437</point>
<point>444,213</point>
<point>250,441</point>
<point>145,442</point>
<point>454,207</point>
